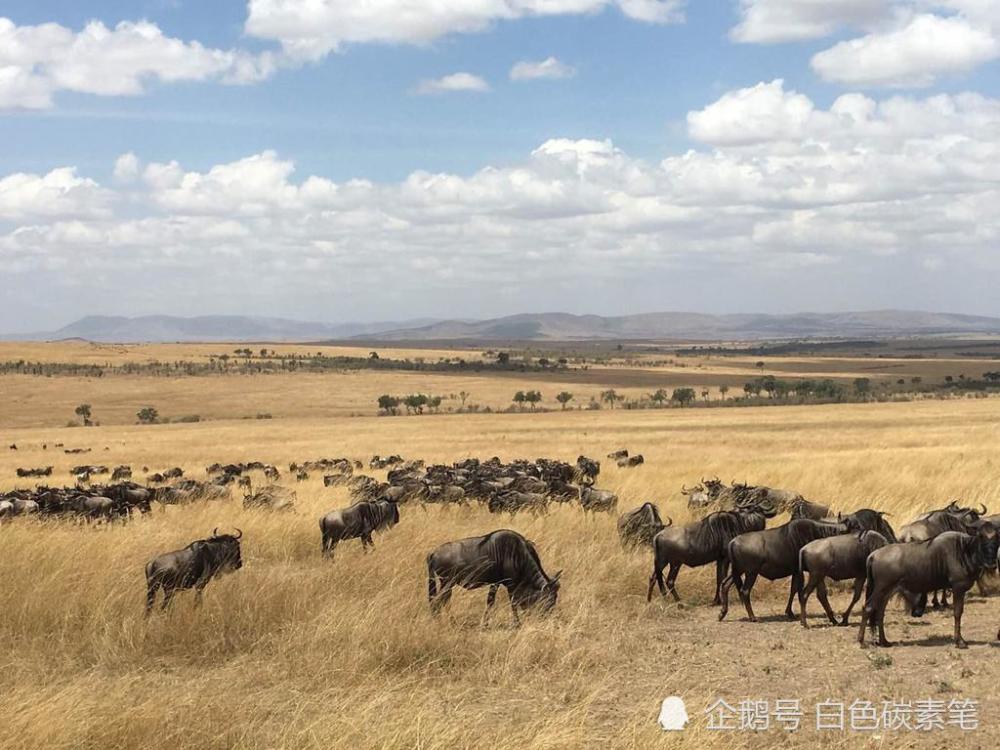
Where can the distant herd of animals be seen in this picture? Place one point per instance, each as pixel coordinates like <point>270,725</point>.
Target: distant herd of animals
<point>947,550</point>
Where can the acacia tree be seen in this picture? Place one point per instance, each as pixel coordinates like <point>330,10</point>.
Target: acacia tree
<point>659,396</point>
<point>389,404</point>
<point>533,398</point>
<point>83,411</point>
<point>564,398</point>
<point>148,415</point>
<point>463,395</point>
<point>683,396</point>
<point>610,396</point>
<point>519,398</point>
<point>723,390</point>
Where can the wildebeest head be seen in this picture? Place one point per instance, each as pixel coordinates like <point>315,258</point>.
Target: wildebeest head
<point>983,546</point>
<point>544,597</point>
<point>226,549</point>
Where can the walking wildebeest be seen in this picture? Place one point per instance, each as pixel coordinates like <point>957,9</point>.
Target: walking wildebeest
<point>772,553</point>
<point>840,558</point>
<point>952,517</point>
<point>192,567</point>
<point>638,526</point>
<point>701,543</point>
<point>630,462</point>
<point>357,521</point>
<point>500,558</point>
<point>615,455</point>
<point>951,560</point>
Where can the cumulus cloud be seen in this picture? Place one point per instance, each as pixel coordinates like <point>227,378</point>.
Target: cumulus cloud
<point>550,67</point>
<point>768,21</point>
<point>900,182</point>
<point>126,167</point>
<point>38,61</point>
<point>449,83</point>
<point>310,29</point>
<point>914,55</point>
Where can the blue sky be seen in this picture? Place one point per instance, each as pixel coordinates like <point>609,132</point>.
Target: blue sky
<point>638,233</point>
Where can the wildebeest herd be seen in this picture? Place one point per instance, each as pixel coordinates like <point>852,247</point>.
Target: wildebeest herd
<point>945,550</point>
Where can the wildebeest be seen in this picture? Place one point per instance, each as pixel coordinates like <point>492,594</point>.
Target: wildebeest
<point>192,567</point>
<point>272,497</point>
<point>774,554</point>
<point>587,468</point>
<point>952,517</point>
<point>629,462</point>
<point>500,558</point>
<point>802,508</point>
<point>92,507</point>
<point>840,558</point>
<point>121,473</point>
<point>43,471</point>
<point>597,500</point>
<point>700,543</point>
<point>637,527</point>
<point>513,502</point>
<point>951,560</point>
<point>357,521</point>
<point>615,455</point>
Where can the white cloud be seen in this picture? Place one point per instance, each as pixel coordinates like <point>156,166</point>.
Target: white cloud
<point>914,55</point>
<point>768,21</point>
<point>453,82</point>
<point>893,181</point>
<point>550,67</point>
<point>60,193</point>
<point>38,61</point>
<point>310,29</point>
<point>126,167</point>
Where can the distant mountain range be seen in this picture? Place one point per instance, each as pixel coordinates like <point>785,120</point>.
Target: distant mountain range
<point>166,328</point>
<point>529,327</point>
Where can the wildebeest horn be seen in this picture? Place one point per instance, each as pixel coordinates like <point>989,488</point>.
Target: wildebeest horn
<point>983,512</point>
<point>239,533</point>
<point>670,521</point>
<point>215,531</point>
<point>685,490</point>
<point>555,577</point>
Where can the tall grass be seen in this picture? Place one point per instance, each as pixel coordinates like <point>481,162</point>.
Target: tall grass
<point>294,651</point>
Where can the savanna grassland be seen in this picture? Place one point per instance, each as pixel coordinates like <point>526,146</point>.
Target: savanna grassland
<point>295,651</point>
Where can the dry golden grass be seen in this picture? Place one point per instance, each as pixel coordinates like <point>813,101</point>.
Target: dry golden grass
<point>297,652</point>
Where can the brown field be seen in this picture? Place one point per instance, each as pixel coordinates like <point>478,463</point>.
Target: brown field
<point>298,652</point>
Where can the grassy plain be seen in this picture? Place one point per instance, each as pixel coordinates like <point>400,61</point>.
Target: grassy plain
<point>298,652</point>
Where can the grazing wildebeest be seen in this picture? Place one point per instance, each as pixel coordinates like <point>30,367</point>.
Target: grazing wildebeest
<point>597,500</point>
<point>951,560</point>
<point>500,558</point>
<point>774,554</point>
<point>192,567</point>
<point>358,521</point>
<point>121,473</point>
<point>630,461</point>
<point>615,455</point>
<point>93,508</point>
<point>638,526</point>
<point>43,471</point>
<point>701,543</point>
<point>840,558</point>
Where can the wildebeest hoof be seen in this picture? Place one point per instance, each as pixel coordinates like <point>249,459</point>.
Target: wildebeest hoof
<point>961,644</point>
<point>752,619</point>
<point>885,644</point>
<point>843,623</point>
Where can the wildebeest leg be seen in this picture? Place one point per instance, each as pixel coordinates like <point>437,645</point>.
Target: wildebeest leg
<point>655,578</point>
<point>793,588</point>
<point>824,599</point>
<point>168,594</point>
<point>491,598</point>
<point>721,568</point>
<point>804,595</point>
<point>513,608</point>
<point>675,568</point>
<point>944,598</point>
<point>859,584</point>
<point>959,605</point>
<point>731,579</point>
<point>197,595</point>
<point>151,596</point>
<point>327,547</point>
<point>745,589</point>
<point>438,601</point>
<point>366,542</point>
<point>880,618</point>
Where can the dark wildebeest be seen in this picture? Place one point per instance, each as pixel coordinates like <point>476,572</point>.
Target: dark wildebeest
<point>838,557</point>
<point>597,500</point>
<point>630,461</point>
<point>951,560</point>
<point>774,554</point>
<point>615,455</point>
<point>192,567</point>
<point>500,558</point>
<point>121,473</point>
<point>801,508</point>
<point>358,521</point>
<point>637,527</point>
<point>701,543</point>
<point>952,517</point>
<point>513,502</point>
<point>93,508</point>
<point>587,468</point>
